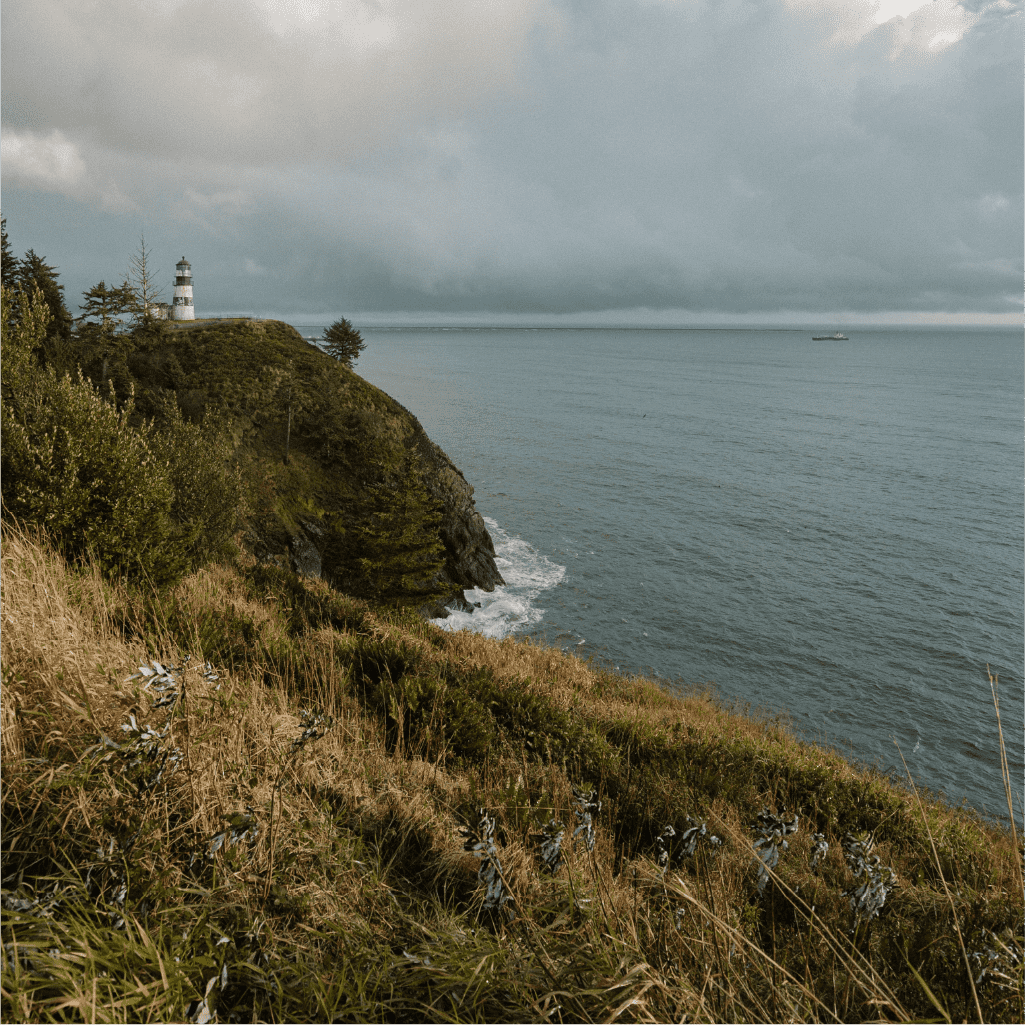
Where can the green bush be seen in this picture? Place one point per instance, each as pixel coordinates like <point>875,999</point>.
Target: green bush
<point>146,504</point>
<point>24,322</point>
<point>73,464</point>
<point>208,495</point>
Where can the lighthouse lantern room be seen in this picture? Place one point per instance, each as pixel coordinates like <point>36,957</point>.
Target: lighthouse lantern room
<point>181,306</point>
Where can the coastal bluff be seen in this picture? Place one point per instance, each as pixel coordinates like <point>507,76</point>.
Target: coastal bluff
<point>310,438</point>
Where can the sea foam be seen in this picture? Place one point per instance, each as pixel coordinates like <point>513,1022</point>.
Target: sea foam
<point>509,608</point>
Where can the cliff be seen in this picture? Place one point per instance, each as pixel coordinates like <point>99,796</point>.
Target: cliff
<point>309,437</point>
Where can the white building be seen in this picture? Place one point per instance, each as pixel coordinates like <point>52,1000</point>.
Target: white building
<point>181,304</point>
<point>159,311</point>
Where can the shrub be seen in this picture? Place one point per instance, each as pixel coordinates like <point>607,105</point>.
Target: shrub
<point>207,494</point>
<point>145,503</point>
<point>73,464</point>
<point>24,319</point>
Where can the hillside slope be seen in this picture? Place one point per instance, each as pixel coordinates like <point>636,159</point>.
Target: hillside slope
<point>353,815</point>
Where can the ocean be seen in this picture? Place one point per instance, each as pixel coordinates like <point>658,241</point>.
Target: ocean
<point>827,531</point>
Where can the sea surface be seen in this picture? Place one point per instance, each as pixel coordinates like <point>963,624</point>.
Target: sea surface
<point>832,531</point>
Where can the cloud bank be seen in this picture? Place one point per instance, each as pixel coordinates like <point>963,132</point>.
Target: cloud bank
<point>537,157</point>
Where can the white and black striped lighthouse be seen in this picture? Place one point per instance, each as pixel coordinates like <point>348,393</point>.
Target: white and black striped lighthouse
<point>181,305</point>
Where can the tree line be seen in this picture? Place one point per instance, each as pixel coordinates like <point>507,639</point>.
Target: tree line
<point>145,500</point>
<point>136,297</point>
<point>114,317</point>
<point>109,309</point>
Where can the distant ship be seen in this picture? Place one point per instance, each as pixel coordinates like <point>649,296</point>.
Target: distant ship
<point>830,338</point>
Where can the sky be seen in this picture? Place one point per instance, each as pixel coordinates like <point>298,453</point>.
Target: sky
<point>551,161</point>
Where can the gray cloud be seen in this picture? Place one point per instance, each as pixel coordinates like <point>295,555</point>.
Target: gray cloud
<point>739,157</point>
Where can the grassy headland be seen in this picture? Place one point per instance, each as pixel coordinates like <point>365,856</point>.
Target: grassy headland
<point>340,888</point>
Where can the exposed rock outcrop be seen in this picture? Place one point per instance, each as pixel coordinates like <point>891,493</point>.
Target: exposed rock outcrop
<point>306,557</point>
<point>469,550</point>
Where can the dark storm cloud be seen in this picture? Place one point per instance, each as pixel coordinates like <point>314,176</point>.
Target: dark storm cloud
<point>531,158</point>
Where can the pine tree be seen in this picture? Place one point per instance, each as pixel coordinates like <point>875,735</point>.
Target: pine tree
<point>344,342</point>
<point>109,304</point>
<point>397,544</point>
<point>34,272</point>
<point>10,263</point>
<point>99,343</point>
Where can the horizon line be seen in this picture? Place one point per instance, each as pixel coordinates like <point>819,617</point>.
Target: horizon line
<point>644,320</point>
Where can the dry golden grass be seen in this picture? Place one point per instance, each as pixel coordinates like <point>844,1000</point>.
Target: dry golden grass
<point>60,653</point>
<point>357,900</point>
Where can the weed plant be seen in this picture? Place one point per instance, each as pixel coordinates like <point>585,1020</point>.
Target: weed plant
<point>334,811</point>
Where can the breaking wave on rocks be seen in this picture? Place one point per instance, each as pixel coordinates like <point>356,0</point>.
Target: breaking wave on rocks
<point>510,608</point>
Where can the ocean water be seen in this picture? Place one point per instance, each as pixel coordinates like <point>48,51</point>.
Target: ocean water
<point>828,530</point>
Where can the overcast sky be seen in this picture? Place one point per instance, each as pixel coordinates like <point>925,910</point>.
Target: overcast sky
<point>634,160</point>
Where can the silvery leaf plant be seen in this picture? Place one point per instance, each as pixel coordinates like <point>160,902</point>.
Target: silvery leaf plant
<point>551,845</point>
<point>997,960</point>
<point>480,842</point>
<point>586,806</point>
<point>314,726</point>
<point>672,849</point>
<point>874,881</point>
<point>819,849</point>
<point>109,874</point>
<point>240,827</point>
<point>772,830</point>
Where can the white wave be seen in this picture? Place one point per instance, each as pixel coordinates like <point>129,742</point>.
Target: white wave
<point>527,573</point>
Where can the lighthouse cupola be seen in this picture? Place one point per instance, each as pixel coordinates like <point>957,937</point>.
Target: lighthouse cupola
<point>181,305</point>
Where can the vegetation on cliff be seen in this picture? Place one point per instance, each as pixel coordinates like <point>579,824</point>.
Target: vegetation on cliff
<point>146,502</point>
<point>343,342</point>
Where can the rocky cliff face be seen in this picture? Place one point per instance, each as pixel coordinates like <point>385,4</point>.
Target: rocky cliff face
<point>469,550</point>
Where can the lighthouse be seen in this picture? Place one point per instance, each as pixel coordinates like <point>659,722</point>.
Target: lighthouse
<point>181,305</point>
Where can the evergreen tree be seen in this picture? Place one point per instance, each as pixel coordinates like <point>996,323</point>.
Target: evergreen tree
<point>10,263</point>
<point>344,342</point>
<point>396,543</point>
<point>141,501</point>
<point>99,343</point>
<point>109,304</point>
<point>34,272</point>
